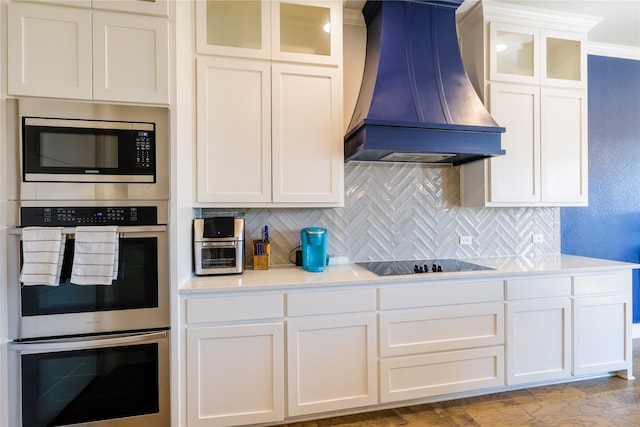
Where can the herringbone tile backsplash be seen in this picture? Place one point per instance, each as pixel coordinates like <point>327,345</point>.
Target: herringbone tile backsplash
<point>406,211</point>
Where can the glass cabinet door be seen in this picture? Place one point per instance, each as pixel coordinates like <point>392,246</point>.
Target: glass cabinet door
<point>306,31</point>
<point>514,53</point>
<point>563,61</point>
<point>232,27</point>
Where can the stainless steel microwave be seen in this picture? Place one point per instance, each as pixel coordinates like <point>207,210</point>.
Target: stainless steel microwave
<point>71,150</point>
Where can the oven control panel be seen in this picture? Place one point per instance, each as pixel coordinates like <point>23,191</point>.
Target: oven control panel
<point>74,216</point>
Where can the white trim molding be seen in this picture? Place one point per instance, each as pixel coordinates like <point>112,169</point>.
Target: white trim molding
<point>613,50</point>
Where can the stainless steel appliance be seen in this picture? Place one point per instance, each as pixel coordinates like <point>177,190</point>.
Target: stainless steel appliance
<point>119,380</point>
<point>218,245</point>
<point>391,268</point>
<point>86,151</point>
<point>92,355</point>
<point>139,297</point>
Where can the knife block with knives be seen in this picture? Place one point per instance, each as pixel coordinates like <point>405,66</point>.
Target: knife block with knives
<point>262,252</point>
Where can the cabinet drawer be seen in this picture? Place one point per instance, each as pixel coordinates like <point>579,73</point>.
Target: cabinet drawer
<point>602,283</point>
<point>436,294</point>
<point>331,302</point>
<point>450,328</point>
<point>538,287</point>
<point>415,377</point>
<point>234,308</point>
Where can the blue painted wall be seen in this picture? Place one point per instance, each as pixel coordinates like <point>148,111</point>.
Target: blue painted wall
<point>610,226</point>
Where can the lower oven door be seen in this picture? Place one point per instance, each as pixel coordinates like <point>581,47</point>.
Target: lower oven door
<point>99,381</point>
<point>138,299</point>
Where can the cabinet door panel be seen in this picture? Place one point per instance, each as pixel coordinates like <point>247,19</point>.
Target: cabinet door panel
<point>235,375</point>
<point>564,147</point>
<point>233,130</point>
<point>152,7</point>
<point>601,334</point>
<point>424,375</point>
<point>49,51</point>
<point>307,144</point>
<point>332,363</point>
<point>234,28</point>
<point>515,176</point>
<point>131,58</point>
<point>538,341</point>
<point>438,329</point>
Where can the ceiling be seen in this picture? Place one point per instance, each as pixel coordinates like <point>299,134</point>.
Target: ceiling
<point>620,23</point>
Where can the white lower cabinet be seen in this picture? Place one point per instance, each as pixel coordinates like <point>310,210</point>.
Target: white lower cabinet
<point>277,356</point>
<point>428,350</point>
<point>235,372</point>
<point>538,329</point>
<point>332,358</point>
<point>602,316</point>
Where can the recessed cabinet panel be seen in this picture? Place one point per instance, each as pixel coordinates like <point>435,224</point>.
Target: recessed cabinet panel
<point>533,326</point>
<point>151,7</point>
<point>424,375</point>
<point>332,363</point>
<point>235,374</point>
<point>516,108</point>
<point>131,59</point>
<point>307,161</point>
<point>233,130</point>
<point>47,51</point>
<point>564,152</point>
<point>601,333</point>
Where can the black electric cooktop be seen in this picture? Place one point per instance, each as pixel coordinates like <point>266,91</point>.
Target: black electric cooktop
<point>392,268</point>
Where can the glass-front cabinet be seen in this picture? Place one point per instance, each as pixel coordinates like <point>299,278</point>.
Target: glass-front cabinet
<point>278,30</point>
<point>523,54</point>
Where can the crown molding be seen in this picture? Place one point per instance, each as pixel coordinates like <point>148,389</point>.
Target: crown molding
<point>613,50</point>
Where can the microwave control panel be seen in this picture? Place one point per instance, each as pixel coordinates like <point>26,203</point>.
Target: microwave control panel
<point>143,150</point>
<point>78,216</point>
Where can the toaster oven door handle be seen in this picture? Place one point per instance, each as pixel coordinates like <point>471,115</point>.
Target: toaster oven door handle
<point>79,343</point>
<point>227,244</point>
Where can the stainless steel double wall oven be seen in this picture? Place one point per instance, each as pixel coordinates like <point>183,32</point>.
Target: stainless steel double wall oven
<point>92,353</point>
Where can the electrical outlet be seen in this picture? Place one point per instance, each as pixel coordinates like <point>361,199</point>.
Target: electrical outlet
<point>466,240</point>
<point>537,238</point>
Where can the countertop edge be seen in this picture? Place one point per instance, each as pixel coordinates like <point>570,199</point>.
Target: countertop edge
<point>291,277</point>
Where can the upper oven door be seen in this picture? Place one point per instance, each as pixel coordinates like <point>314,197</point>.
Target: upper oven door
<point>137,299</point>
<point>87,150</point>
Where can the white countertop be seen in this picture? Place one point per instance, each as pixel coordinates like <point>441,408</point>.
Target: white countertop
<point>352,274</point>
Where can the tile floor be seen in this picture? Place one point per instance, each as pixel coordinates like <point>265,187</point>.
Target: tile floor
<point>601,402</point>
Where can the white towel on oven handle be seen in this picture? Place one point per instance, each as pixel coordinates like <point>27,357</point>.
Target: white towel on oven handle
<point>42,254</point>
<point>95,259</point>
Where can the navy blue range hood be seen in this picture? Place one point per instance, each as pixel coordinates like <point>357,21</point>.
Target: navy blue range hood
<point>416,102</point>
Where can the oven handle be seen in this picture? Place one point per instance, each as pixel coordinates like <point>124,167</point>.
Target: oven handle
<point>125,229</point>
<point>79,343</point>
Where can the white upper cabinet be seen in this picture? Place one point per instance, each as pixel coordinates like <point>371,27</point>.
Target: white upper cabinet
<point>147,7</point>
<point>50,50</point>
<point>299,31</point>
<point>532,77</point>
<point>269,103</point>
<point>73,53</point>
<point>522,54</point>
<point>130,58</point>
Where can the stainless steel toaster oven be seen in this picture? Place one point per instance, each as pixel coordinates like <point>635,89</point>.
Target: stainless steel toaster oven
<point>218,245</point>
